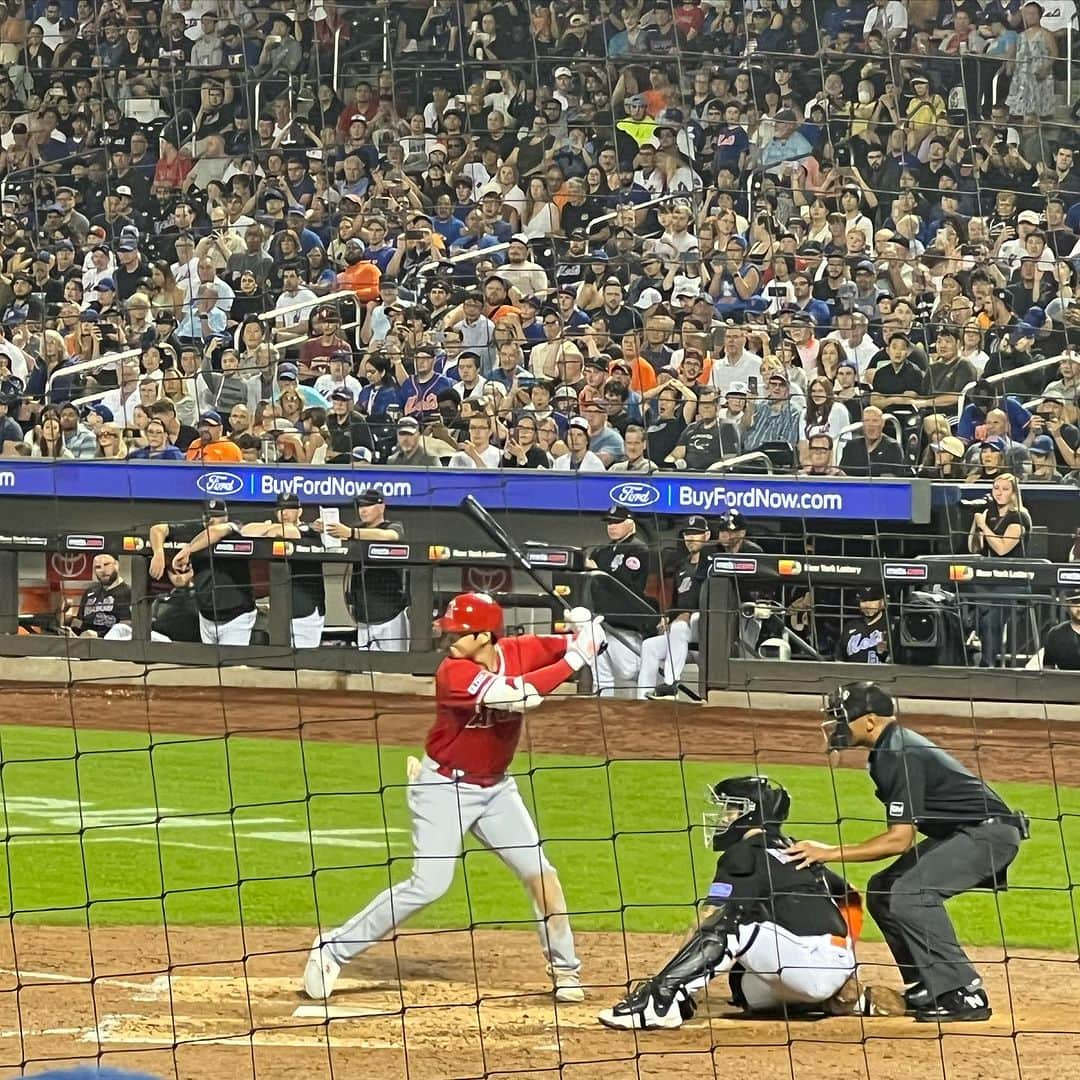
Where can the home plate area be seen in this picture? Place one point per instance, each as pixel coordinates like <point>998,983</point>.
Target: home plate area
<point>225,1004</point>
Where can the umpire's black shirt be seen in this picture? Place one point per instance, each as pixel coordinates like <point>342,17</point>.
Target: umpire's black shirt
<point>920,784</point>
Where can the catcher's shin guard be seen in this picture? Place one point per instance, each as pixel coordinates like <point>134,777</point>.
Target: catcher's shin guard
<point>709,950</point>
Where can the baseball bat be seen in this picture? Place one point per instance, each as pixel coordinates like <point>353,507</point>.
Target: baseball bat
<point>508,544</point>
<point>505,541</point>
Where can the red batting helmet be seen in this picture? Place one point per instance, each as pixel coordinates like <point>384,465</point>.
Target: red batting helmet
<point>472,613</point>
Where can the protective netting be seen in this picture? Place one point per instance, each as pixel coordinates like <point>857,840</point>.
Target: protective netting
<point>777,192</point>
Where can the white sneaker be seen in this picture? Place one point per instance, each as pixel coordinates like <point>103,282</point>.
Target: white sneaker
<point>639,1010</point>
<point>321,972</point>
<point>567,985</point>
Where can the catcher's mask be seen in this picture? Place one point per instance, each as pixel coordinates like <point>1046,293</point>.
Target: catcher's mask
<point>849,703</point>
<point>740,803</point>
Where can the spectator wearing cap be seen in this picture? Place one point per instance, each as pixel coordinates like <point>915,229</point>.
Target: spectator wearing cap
<point>604,440</point>
<point>708,439</point>
<point>377,594</point>
<point>1048,419</point>
<point>578,458</point>
<point>223,591</point>
<point>412,451</point>
<point>307,587</point>
<point>787,144</point>
<point>339,376</point>
<point>212,445</point>
<point>944,460</point>
<point>420,390</point>
<point>775,419</point>
<point>1043,462</point>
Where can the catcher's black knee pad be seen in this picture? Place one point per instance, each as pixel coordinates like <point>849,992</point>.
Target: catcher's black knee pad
<point>707,947</point>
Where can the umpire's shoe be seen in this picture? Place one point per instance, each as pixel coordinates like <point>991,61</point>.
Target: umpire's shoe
<point>321,973</point>
<point>957,1007</point>
<point>649,1006</point>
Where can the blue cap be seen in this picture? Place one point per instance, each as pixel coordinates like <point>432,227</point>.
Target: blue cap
<point>106,283</point>
<point>1022,330</point>
<point>1036,317</point>
<point>103,411</point>
<point>89,315</point>
<point>995,442</point>
<point>211,416</point>
<point>288,371</point>
<point>1041,444</point>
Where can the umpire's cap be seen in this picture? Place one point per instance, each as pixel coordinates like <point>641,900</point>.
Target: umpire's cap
<point>858,699</point>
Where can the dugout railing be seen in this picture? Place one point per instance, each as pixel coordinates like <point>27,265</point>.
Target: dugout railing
<point>1027,586</point>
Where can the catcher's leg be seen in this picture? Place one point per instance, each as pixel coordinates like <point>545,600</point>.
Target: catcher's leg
<point>665,1000</point>
<point>785,969</point>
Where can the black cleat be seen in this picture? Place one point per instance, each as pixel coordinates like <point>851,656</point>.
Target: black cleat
<point>662,692</point>
<point>957,1007</point>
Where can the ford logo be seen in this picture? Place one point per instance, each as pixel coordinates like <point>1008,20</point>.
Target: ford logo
<point>635,496</point>
<point>219,483</point>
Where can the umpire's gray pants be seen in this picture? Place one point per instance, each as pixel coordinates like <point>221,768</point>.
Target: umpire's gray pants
<point>907,901</point>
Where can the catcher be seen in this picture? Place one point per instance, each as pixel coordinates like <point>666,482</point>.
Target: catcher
<point>784,935</point>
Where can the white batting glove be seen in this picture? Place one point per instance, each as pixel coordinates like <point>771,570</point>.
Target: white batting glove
<point>586,644</point>
<point>577,617</point>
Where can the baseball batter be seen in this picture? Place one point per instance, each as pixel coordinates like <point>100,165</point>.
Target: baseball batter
<point>482,690</point>
<point>784,934</point>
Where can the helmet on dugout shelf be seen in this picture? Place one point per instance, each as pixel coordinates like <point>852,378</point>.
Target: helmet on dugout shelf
<point>741,803</point>
<point>471,613</point>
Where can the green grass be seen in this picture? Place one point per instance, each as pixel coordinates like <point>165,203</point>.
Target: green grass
<point>278,832</point>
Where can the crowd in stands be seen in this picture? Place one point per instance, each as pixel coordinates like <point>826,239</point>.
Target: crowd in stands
<point>828,238</point>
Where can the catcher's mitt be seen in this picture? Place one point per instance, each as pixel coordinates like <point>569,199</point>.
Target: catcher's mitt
<point>855,1000</point>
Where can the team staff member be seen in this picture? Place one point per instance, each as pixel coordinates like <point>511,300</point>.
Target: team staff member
<point>668,649</point>
<point>174,615</point>
<point>483,688</point>
<point>308,587</point>
<point>223,591</point>
<point>1062,647</point>
<point>378,594</point>
<point>104,605</point>
<point>972,837</point>
<point>867,639</point>
<point>626,559</point>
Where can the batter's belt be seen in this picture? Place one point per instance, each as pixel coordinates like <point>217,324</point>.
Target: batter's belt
<point>460,776</point>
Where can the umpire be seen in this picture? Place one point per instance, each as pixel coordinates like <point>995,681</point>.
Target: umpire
<point>971,838</point>
<point>619,595</point>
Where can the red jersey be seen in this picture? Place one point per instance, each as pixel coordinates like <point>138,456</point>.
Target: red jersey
<point>469,736</point>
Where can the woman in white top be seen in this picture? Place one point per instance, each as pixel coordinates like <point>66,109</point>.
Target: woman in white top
<point>823,413</point>
<point>971,345</point>
<point>513,198</point>
<point>540,216</point>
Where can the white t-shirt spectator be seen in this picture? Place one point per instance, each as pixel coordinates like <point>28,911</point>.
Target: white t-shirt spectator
<point>491,457</point>
<point>589,463</point>
<point>297,315</point>
<point>723,374</point>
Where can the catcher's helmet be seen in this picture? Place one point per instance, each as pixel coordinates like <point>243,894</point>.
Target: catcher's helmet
<point>740,803</point>
<point>471,613</point>
<point>851,702</point>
